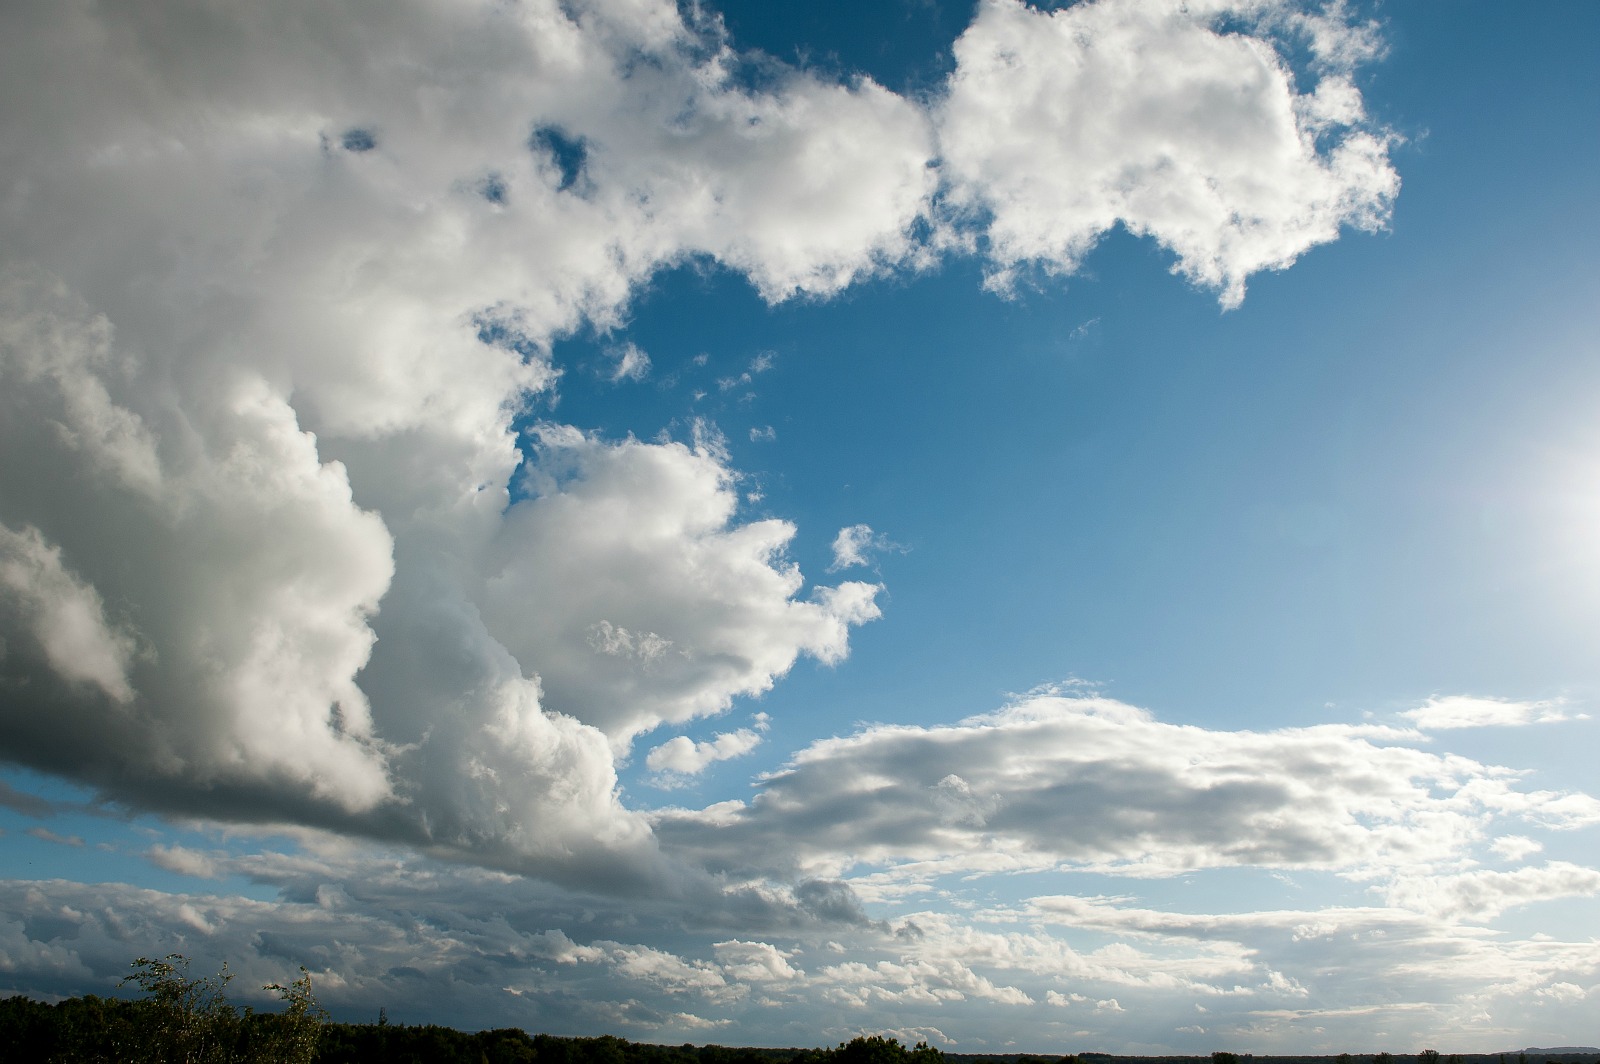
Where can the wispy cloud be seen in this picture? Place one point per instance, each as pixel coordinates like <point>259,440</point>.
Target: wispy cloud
<point>46,835</point>
<point>856,545</point>
<point>632,364</point>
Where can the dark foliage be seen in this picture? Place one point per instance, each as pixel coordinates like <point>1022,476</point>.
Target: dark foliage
<point>189,1020</point>
<point>180,1020</point>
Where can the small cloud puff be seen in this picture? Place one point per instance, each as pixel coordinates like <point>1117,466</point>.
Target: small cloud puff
<point>1514,847</point>
<point>682,757</point>
<point>758,365</point>
<point>855,544</point>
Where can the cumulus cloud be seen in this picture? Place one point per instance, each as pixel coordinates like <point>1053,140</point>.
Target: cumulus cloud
<point>1091,783</point>
<point>1063,124</point>
<point>755,962</point>
<point>252,570</point>
<point>654,605</point>
<point>922,981</point>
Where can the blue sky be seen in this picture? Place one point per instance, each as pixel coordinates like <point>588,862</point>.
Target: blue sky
<point>1052,529</point>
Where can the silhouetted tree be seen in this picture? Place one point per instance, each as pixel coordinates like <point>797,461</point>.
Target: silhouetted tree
<point>185,1020</point>
<point>291,1036</point>
<point>181,1020</point>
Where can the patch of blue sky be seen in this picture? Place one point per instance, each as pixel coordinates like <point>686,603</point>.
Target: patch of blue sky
<point>1535,921</point>
<point>903,45</point>
<point>1549,756</point>
<point>1226,890</point>
<point>567,153</point>
<point>358,140</point>
<point>81,840</point>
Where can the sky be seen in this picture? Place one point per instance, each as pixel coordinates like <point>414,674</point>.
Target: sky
<point>1031,528</point>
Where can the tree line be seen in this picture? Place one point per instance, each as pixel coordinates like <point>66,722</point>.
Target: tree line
<point>183,1019</point>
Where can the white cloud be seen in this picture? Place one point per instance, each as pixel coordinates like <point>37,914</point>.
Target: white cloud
<point>1514,847</point>
<point>1466,711</point>
<point>634,546</point>
<point>918,979</point>
<point>666,971</point>
<point>1064,123</point>
<point>1094,784</point>
<point>684,756</point>
<point>1333,956</point>
<point>1483,894</point>
<point>756,962</point>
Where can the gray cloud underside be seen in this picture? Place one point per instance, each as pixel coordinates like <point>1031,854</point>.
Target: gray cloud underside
<point>430,941</point>
<point>1090,783</point>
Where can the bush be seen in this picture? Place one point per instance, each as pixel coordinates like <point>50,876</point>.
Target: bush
<point>184,1020</point>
